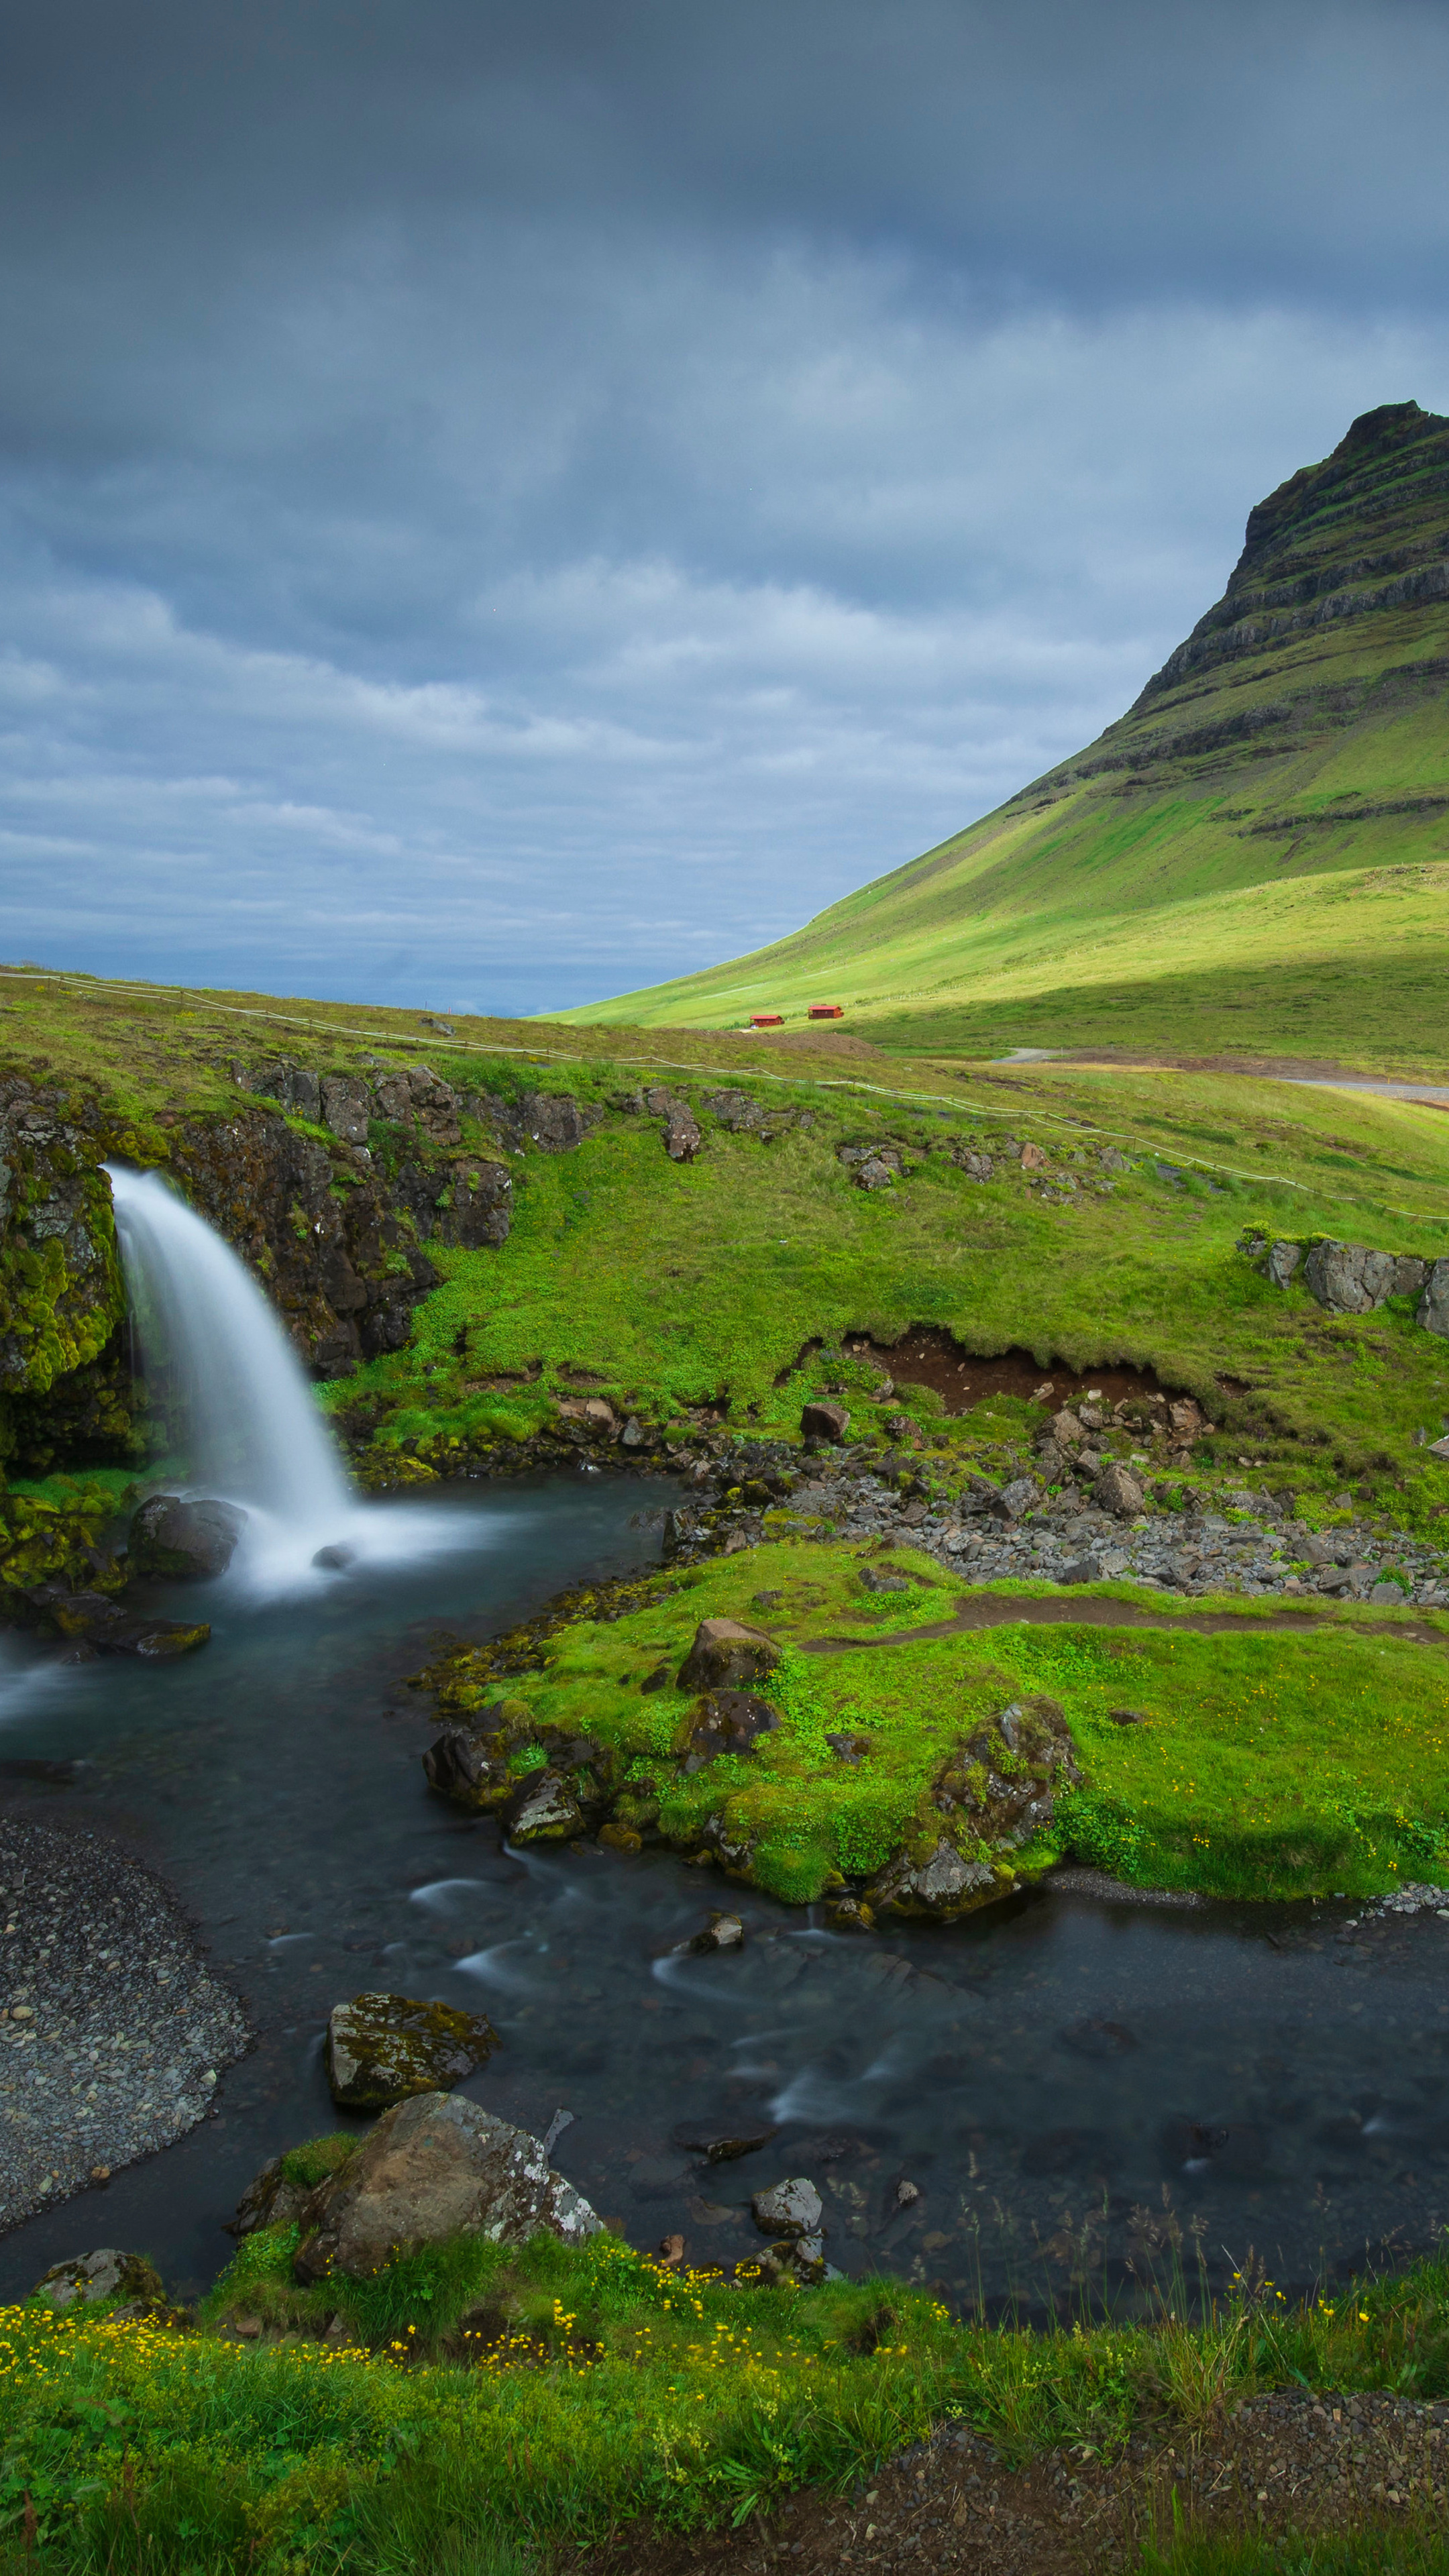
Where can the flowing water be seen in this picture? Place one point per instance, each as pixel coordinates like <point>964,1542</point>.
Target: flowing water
<point>224,1378</point>
<point>1050,2105</point>
<point>1080,2092</point>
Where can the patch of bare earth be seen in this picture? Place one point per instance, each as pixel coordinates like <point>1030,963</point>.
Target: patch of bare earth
<point>1294,2462</point>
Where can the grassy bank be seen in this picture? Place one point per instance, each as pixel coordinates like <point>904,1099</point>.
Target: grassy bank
<point>1258,1764</point>
<point>600,2387</point>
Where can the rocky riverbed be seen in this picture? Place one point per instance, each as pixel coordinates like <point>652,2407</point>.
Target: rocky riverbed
<point>113,2032</point>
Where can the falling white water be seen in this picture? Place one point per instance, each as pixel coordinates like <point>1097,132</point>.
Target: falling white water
<point>242,1410</point>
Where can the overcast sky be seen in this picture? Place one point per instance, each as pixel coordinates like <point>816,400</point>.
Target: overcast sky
<point>500,504</point>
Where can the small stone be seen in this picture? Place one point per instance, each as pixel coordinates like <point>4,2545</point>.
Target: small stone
<point>722,1932</point>
<point>788,2209</point>
<point>906,2193</point>
<point>850,1914</point>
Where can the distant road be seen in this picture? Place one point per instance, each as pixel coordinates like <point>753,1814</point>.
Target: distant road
<point>1322,1078</point>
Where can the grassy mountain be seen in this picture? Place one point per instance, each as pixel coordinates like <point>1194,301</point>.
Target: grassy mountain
<point>1254,858</point>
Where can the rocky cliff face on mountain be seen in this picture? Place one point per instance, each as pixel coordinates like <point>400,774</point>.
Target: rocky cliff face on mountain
<point>1363,536</point>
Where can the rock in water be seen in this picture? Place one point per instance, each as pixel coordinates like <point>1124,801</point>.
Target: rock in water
<point>436,2167</point>
<point>171,1535</point>
<point>106,2274</point>
<point>382,2048</point>
<point>91,1620</point>
<point>791,2208</point>
<point>721,1932</point>
<point>726,1654</point>
<point>943,1885</point>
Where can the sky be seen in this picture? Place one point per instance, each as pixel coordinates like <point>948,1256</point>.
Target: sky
<point>501,504</point>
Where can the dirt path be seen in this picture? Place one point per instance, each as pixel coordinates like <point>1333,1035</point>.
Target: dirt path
<point>1296,2461</point>
<point>1000,1610</point>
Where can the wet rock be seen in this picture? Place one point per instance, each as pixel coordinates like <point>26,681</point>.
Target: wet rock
<point>939,1887</point>
<point>107,2274</point>
<point>335,1560</point>
<point>1115,1490</point>
<point>906,2194</point>
<point>850,1914</point>
<point>788,2209</point>
<point>726,1652</point>
<point>727,1721</point>
<point>471,1764</point>
<point>381,2048</point>
<point>94,1621</point>
<point>434,2167</point>
<point>545,1809</point>
<point>1433,1310</point>
<point>722,1932</point>
<point>171,1535</point>
<point>824,1422</point>
<point>723,2141</point>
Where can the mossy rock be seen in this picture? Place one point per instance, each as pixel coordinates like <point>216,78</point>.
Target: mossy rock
<point>381,2048</point>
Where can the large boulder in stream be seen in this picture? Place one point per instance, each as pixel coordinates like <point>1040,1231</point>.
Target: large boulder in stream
<point>382,2048</point>
<point>436,2167</point>
<point>175,1535</point>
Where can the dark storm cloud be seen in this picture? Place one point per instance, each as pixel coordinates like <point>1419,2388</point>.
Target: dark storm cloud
<point>512,502</point>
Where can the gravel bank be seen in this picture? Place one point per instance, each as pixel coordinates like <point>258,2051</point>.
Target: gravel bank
<point>112,2032</point>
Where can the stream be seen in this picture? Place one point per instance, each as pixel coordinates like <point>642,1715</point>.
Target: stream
<point>1086,2096</point>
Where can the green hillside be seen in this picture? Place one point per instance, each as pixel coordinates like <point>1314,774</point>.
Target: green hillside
<point>1254,858</point>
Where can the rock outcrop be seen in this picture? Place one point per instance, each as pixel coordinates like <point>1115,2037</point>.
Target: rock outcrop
<point>437,2166</point>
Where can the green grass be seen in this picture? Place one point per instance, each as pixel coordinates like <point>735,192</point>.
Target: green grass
<point>603,2388</point>
<point>1269,1765</point>
<point>678,1288</point>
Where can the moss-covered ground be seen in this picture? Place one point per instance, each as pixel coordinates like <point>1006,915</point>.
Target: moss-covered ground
<point>481,2408</point>
<point>1258,1763</point>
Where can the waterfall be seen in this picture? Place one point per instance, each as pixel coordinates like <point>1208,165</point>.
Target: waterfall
<point>219,1364</point>
<point>213,1348</point>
